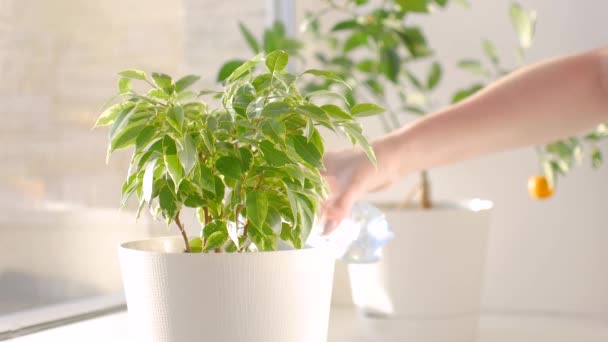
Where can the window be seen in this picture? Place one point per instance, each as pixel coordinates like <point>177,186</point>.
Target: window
<point>59,222</point>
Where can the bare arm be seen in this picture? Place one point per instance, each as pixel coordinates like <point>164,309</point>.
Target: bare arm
<point>538,104</point>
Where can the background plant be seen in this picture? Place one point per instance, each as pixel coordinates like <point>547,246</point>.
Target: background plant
<point>249,167</point>
<point>556,158</point>
<point>376,49</point>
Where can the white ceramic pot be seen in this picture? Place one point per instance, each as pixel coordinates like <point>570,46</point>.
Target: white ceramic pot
<point>228,297</point>
<point>428,283</point>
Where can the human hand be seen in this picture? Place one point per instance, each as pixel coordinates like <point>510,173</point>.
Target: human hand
<point>351,175</point>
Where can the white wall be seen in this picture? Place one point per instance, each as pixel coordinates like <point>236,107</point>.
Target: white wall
<point>544,256</point>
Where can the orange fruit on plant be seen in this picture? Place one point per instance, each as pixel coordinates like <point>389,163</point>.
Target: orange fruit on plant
<point>539,187</point>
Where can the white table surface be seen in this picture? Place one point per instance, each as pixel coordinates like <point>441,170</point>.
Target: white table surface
<point>344,323</point>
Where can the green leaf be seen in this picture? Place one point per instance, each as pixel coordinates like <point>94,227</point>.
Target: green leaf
<point>126,136</point>
<point>327,93</point>
<point>336,112</point>
<point>277,61</point>
<point>415,81</point>
<point>306,210</point>
<point>246,157</point>
<point>413,5</point>
<point>434,76</point>
<point>120,122</point>
<point>124,85</point>
<point>175,117</point>
<point>273,156</point>
<point>345,25</point>
<point>185,96</point>
<point>306,150</point>
<point>214,227</point>
<point>369,66</point>
<point>109,115</point>
<point>490,51</point>
<point>229,167</point>
<point>596,158</point>
<point>550,169</point>
<point>366,109</point>
<point>285,234</point>
<point>185,82</point>
<point>309,129</point>
<point>464,93</point>
<point>250,38</point>
<point>244,68</point>
<point>415,110</point>
<point>172,163</point>
<point>474,67</point>
<point>228,68</point>
<point>601,132</point>
<point>257,207</point>
<point>275,109</point>
<point>196,245</point>
<point>133,73</point>
<point>327,75</point>
<point>168,204</point>
<point>208,140</point>
<point>390,64</point>
<point>415,42</point>
<point>163,81</point>
<point>295,172</point>
<point>158,94</point>
<point>145,137</point>
<point>313,112</point>
<point>317,140</point>
<point>293,204</point>
<point>357,39</point>
<point>207,179</point>
<point>262,82</point>
<point>524,23</point>
<point>215,240</point>
<point>274,130</point>
<point>374,86</point>
<point>148,181</point>
<point>274,37</point>
<point>353,130</point>
<point>254,109</point>
<point>441,3</point>
<point>190,194</point>
<point>243,97</point>
<point>188,154</point>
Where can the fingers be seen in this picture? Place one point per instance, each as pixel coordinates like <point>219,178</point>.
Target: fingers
<point>338,208</point>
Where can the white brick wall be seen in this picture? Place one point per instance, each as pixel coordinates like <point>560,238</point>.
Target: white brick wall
<point>58,61</point>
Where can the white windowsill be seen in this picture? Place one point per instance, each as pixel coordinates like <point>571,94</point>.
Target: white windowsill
<point>59,315</point>
<point>494,328</point>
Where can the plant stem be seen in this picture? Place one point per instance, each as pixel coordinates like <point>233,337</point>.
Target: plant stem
<point>206,216</point>
<point>236,221</point>
<point>179,223</point>
<point>425,191</point>
<point>246,228</point>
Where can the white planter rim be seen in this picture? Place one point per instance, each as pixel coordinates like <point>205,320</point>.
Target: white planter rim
<point>474,204</point>
<point>167,245</point>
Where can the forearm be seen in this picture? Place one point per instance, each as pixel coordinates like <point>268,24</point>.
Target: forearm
<point>535,105</point>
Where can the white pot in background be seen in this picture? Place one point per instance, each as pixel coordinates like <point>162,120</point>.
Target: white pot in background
<point>428,283</point>
<point>228,297</point>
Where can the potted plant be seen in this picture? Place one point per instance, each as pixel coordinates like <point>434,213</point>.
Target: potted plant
<point>429,281</point>
<point>377,49</point>
<point>556,158</point>
<point>247,162</point>
<point>373,48</point>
